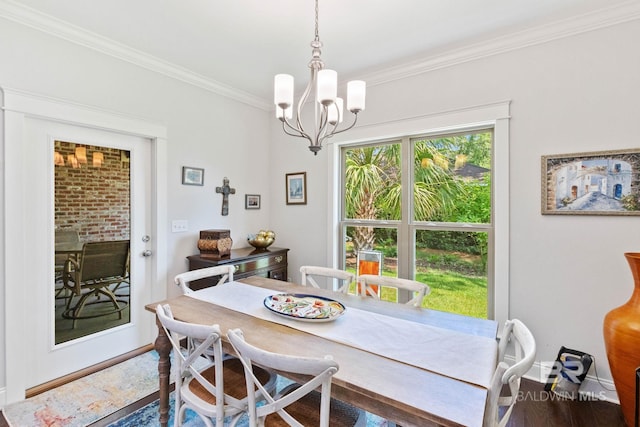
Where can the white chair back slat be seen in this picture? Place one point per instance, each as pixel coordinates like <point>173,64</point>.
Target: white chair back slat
<point>309,273</point>
<point>419,290</point>
<point>184,279</point>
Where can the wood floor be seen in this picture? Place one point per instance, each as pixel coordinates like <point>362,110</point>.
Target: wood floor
<point>537,408</point>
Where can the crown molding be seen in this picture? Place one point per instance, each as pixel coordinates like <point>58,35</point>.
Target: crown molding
<point>595,20</point>
<point>27,16</point>
<point>602,18</point>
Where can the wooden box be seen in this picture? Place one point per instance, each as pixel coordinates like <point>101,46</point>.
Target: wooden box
<point>215,244</point>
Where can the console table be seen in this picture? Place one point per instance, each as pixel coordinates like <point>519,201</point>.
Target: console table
<point>270,263</point>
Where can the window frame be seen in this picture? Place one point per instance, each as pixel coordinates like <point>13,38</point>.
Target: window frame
<point>494,116</point>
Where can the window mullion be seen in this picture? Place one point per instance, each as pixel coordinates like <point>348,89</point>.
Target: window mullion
<point>405,238</point>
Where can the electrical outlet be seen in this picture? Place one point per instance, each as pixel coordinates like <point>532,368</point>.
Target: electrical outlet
<point>179,225</point>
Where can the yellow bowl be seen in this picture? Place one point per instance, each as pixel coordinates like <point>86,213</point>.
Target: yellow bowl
<point>261,243</point>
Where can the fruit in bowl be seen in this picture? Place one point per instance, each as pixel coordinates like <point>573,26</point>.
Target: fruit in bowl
<point>262,240</point>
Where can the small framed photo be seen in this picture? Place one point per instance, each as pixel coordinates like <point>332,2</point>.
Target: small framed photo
<point>192,176</point>
<point>595,183</point>
<point>252,201</point>
<point>297,188</point>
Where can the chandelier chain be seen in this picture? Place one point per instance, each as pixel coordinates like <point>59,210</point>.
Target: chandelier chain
<point>317,33</point>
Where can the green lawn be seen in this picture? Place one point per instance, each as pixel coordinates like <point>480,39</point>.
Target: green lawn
<point>455,293</point>
<point>450,291</point>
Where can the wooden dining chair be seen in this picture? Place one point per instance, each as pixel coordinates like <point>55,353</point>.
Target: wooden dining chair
<point>298,405</point>
<point>417,289</point>
<point>310,273</point>
<point>184,279</point>
<point>212,387</point>
<point>499,406</point>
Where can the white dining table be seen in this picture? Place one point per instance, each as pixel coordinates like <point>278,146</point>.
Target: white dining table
<point>410,365</point>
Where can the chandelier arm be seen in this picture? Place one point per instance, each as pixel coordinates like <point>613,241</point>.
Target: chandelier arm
<point>324,121</point>
<point>298,133</point>
<point>335,132</point>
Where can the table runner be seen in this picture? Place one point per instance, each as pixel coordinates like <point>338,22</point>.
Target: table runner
<point>446,352</point>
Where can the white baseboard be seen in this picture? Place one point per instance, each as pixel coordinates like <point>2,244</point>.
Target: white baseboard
<point>591,388</point>
<point>3,397</point>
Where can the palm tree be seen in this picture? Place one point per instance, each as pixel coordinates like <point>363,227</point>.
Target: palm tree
<point>373,186</point>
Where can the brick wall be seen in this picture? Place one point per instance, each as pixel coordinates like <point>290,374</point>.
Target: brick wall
<point>93,200</point>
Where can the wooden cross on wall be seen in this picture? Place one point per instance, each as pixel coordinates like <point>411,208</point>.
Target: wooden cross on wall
<point>225,190</point>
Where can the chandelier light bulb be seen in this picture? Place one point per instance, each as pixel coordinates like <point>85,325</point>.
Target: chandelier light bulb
<point>58,159</point>
<point>356,91</point>
<point>283,90</point>
<point>327,87</point>
<point>98,159</point>
<point>81,154</point>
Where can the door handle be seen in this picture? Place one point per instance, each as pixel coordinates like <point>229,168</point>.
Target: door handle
<point>147,253</point>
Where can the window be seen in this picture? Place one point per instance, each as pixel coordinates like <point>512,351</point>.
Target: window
<point>440,236</point>
<point>409,227</point>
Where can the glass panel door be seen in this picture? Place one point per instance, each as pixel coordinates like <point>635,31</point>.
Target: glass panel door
<point>91,207</point>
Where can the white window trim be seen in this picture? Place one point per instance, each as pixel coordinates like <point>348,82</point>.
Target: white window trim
<point>496,115</point>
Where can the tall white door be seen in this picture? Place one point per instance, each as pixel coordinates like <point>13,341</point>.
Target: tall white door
<point>48,360</point>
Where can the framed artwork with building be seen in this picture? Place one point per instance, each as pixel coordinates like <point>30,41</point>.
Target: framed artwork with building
<point>594,183</point>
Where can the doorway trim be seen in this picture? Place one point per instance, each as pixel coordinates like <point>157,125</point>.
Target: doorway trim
<point>18,106</point>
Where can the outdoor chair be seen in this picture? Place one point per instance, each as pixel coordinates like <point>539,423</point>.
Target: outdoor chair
<point>63,237</point>
<point>100,265</point>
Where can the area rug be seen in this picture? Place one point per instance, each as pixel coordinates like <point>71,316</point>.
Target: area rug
<point>88,399</point>
<point>148,416</point>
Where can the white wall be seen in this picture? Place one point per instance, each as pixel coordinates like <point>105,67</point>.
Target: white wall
<point>576,94</point>
<point>205,130</point>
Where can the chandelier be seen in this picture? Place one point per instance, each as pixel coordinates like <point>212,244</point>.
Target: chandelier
<point>78,158</point>
<point>328,107</point>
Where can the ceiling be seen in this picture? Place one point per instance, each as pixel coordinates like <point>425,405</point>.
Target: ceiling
<point>237,46</point>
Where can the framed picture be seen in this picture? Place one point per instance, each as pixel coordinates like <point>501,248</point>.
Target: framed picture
<point>192,176</point>
<point>252,201</point>
<point>297,188</point>
<point>596,183</point>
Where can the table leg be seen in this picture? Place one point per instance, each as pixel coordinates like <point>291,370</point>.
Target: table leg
<point>163,347</point>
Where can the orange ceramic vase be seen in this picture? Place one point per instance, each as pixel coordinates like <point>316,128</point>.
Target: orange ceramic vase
<point>622,342</point>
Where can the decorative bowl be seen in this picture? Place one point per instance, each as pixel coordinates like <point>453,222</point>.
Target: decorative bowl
<point>262,240</point>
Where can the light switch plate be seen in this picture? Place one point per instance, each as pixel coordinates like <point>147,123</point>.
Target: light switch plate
<point>179,225</point>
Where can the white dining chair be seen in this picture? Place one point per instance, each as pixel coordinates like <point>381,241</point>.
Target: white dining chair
<point>498,408</point>
<point>417,289</point>
<point>310,273</point>
<point>184,279</point>
<point>298,405</point>
<point>212,387</point>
